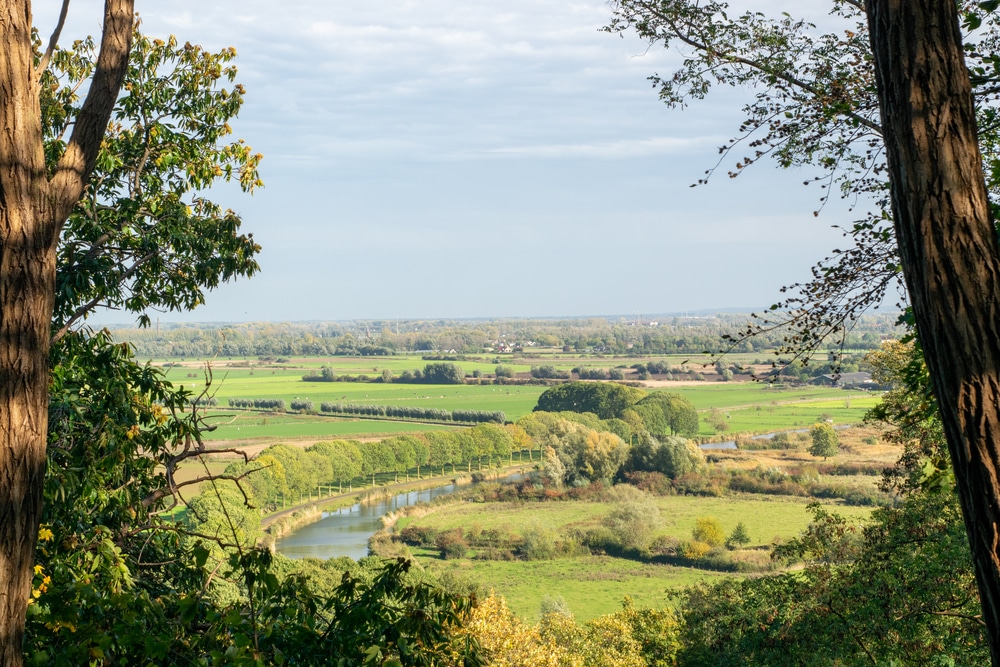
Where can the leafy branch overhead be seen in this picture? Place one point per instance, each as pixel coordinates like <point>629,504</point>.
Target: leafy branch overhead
<point>144,236</point>
<point>813,104</point>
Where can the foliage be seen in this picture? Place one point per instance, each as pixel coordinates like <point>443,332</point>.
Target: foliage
<point>507,641</point>
<point>707,529</point>
<point>634,518</point>
<point>413,412</point>
<point>115,582</point>
<point>144,236</point>
<point>671,456</point>
<point>443,373</point>
<point>825,442</point>
<point>538,543</point>
<point>678,413</point>
<point>904,591</point>
<point>606,400</point>
<point>739,537</point>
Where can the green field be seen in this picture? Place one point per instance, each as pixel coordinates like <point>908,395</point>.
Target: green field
<point>595,585</point>
<point>751,407</point>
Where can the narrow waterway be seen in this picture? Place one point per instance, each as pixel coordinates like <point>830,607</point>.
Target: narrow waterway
<point>345,532</point>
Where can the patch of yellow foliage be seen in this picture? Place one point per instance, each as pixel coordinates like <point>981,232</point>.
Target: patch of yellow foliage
<point>507,641</point>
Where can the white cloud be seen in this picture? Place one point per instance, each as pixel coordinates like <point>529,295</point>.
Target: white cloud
<point>417,135</point>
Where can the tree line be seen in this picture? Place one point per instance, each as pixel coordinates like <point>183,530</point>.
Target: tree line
<point>673,335</point>
<point>412,412</point>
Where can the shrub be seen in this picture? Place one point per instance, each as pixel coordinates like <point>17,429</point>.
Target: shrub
<point>633,519</point>
<point>693,550</point>
<point>452,544</point>
<point>419,536</point>
<point>538,543</point>
<point>664,545</point>
<point>553,604</point>
<point>707,529</point>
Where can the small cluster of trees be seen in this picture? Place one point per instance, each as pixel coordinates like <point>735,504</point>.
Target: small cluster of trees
<point>301,405</point>
<point>659,413</point>
<point>546,372</point>
<point>257,403</point>
<point>579,448</point>
<point>413,412</point>
<point>434,373</point>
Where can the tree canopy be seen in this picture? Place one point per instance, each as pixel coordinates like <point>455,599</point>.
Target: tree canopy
<point>607,400</point>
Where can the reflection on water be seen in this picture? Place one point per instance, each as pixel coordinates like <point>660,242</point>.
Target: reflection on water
<point>345,532</point>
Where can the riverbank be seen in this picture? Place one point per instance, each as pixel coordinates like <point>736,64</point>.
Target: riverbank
<point>287,521</point>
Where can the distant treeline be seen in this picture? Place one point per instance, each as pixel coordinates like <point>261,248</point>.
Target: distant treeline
<point>670,335</point>
<point>434,373</point>
<point>411,412</point>
<point>257,403</point>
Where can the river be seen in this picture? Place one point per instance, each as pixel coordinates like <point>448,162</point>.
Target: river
<point>345,532</point>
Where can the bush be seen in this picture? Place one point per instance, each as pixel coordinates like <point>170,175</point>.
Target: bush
<point>600,540</point>
<point>664,545</point>
<point>633,519</point>
<point>538,543</point>
<point>693,550</point>
<point>707,529</point>
<point>452,544</point>
<point>419,536</point>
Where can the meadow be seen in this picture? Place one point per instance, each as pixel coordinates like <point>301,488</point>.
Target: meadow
<point>594,585</point>
<point>748,407</point>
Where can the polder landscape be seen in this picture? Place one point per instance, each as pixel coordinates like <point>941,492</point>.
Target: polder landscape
<point>294,480</point>
<point>649,517</point>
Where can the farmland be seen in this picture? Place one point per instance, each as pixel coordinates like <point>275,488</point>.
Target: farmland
<point>748,407</point>
<point>593,585</point>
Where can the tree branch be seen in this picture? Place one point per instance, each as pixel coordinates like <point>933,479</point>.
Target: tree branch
<point>44,62</point>
<point>90,305</point>
<point>77,162</point>
<point>759,66</point>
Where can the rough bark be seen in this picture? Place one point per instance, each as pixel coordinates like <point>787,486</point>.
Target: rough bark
<point>33,209</point>
<point>949,253</point>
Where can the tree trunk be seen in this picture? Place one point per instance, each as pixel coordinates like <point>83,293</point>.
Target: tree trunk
<point>27,280</point>
<point>949,253</point>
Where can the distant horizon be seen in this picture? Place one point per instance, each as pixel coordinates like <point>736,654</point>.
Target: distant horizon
<point>471,318</point>
<point>628,317</point>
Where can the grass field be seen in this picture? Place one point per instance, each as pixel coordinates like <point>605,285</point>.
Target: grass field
<point>595,585</point>
<point>751,407</point>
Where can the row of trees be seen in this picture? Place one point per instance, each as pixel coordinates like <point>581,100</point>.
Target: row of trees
<point>291,473</point>
<point>277,404</point>
<point>414,412</point>
<point>433,373</point>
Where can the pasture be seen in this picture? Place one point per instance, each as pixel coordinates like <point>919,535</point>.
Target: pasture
<point>748,407</point>
<point>595,585</point>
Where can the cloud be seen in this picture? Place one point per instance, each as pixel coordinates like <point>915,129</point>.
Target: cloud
<point>410,142</point>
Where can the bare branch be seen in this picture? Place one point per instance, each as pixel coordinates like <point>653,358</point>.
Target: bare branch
<point>44,62</point>
<point>783,75</point>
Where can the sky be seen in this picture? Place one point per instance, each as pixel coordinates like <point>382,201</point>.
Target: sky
<point>446,159</point>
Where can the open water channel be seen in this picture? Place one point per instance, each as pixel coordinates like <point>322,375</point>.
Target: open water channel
<point>345,532</point>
